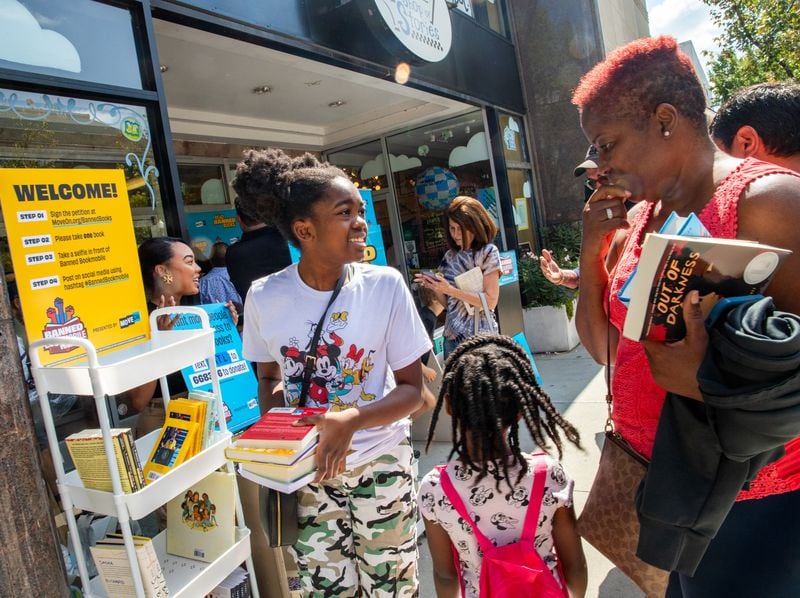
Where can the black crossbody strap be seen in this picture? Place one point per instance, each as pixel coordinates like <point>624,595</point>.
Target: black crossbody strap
<point>311,355</point>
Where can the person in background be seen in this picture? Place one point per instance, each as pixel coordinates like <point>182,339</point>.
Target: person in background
<point>261,250</point>
<point>589,168</point>
<point>763,122</point>
<point>428,309</point>
<point>216,286</point>
<point>171,278</point>
<point>644,109</point>
<point>357,519</point>
<point>488,387</point>
<point>470,232</point>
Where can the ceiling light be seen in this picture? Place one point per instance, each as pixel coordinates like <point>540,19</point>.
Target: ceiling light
<point>336,103</point>
<point>402,72</point>
<point>163,68</point>
<point>262,89</point>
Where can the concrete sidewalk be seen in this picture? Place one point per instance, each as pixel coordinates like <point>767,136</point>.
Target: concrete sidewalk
<point>576,386</point>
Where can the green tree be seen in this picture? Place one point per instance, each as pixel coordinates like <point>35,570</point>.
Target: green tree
<point>759,42</point>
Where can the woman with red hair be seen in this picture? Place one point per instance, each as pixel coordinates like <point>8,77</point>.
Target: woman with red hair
<point>643,108</point>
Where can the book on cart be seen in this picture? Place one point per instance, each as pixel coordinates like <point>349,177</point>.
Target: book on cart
<point>201,521</point>
<point>114,570</point>
<point>671,265</point>
<point>175,444</point>
<point>87,452</point>
<point>236,585</point>
<point>276,430</point>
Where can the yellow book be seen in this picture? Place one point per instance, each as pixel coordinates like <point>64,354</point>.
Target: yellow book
<point>192,410</point>
<point>175,445</point>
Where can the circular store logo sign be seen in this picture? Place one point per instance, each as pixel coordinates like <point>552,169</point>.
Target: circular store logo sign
<point>422,26</point>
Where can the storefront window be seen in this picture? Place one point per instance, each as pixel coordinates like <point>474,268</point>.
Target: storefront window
<point>202,184</point>
<point>515,146</point>
<point>489,13</point>
<point>520,180</point>
<point>48,131</point>
<point>366,167</point>
<point>434,164</point>
<point>79,39</point>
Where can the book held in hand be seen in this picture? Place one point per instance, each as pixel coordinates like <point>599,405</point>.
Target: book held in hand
<point>670,266</point>
<point>282,473</point>
<point>275,429</point>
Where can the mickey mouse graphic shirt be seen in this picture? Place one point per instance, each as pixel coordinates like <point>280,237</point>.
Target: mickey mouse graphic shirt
<point>371,329</point>
<point>498,514</point>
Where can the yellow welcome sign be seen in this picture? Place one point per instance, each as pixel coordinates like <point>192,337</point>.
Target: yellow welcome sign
<point>75,260</point>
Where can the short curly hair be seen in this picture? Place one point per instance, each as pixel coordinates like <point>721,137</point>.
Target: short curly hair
<point>772,109</point>
<point>280,189</point>
<point>634,79</point>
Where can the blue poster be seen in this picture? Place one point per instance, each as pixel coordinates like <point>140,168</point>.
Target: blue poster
<point>375,253</point>
<point>523,342</point>
<point>508,267</point>
<point>237,380</point>
<point>206,228</point>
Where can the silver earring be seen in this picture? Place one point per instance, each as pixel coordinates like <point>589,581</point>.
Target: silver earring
<point>666,133</point>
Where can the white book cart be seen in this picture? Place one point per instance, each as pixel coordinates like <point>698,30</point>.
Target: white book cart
<point>114,373</point>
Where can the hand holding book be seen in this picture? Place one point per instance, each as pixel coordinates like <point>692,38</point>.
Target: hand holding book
<point>336,431</point>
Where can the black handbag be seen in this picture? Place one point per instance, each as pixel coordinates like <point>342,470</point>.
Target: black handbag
<point>278,509</point>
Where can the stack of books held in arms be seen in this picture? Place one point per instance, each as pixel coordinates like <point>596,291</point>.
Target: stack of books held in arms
<point>276,453</point>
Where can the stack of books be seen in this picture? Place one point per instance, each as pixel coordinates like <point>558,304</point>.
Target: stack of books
<point>278,453</point>
<point>89,456</point>
<point>188,429</point>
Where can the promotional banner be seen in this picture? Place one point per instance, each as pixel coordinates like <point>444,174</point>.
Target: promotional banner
<point>74,254</point>
<point>237,381</point>
<point>375,253</point>
<point>509,272</point>
<point>206,228</point>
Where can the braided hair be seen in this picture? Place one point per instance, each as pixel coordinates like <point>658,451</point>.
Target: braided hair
<point>279,189</point>
<point>489,384</point>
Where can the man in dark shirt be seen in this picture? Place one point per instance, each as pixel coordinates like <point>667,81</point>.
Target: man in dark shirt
<point>261,251</point>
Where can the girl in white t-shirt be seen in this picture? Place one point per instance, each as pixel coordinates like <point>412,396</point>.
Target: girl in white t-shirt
<point>488,386</point>
<point>358,518</point>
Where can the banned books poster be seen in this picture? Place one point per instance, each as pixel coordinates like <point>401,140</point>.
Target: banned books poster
<point>237,380</point>
<point>74,254</point>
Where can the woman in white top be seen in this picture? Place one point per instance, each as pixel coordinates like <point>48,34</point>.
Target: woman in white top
<point>357,518</point>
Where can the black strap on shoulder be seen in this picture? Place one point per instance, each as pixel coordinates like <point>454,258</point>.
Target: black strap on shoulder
<point>311,354</point>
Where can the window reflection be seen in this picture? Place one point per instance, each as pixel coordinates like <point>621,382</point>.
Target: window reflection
<point>433,164</point>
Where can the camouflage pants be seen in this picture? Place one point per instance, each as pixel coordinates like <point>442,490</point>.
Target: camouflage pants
<point>358,532</point>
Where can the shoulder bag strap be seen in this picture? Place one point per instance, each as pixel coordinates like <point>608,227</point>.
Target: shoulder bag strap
<point>452,495</point>
<point>311,355</point>
<point>487,312</point>
<point>535,498</point>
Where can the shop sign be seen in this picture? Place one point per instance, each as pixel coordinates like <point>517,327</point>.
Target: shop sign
<point>464,6</point>
<point>131,129</point>
<point>422,26</point>
<point>74,255</point>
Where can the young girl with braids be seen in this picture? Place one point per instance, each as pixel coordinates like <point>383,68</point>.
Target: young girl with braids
<point>488,387</point>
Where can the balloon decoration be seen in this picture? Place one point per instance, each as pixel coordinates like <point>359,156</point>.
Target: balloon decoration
<point>436,187</point>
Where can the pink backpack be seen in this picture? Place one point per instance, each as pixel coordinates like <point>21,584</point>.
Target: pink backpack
<point>514,570</point>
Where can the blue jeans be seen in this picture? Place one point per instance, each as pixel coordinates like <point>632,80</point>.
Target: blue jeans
<point>449,346</point>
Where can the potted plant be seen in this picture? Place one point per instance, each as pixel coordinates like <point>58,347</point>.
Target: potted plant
<point>549,309</point>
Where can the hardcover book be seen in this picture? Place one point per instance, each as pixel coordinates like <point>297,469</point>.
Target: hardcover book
<point>670,266</point>
<point>282,473</point>
<point>114,569</point>
<point>275,429</point>
<point>200,522</point>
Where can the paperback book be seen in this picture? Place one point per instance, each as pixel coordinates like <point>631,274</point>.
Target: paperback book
<point>88,453</point>
<point>175,444</point>
<point>282,473</point>
<point>670,266</point>
<point>114,569</point>
<point>278,456</point>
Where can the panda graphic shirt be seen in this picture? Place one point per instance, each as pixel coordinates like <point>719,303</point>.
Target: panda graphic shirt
<point>371,329</point>
<point>498,514</point>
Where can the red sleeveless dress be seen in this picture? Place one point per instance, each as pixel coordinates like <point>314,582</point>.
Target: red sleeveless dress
<point>637,397</point>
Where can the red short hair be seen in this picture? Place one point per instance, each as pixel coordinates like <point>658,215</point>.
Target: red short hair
<point>637,77</point>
